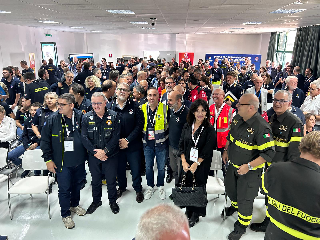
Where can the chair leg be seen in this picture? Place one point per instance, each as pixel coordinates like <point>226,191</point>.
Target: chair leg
<point>31,196</point>
<point>9,205</point>
<point>48,199</point>
<point>225,206</point>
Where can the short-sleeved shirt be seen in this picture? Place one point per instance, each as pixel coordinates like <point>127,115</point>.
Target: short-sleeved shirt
<point>24,71</point>
<point>22,116</point>
<point>217,74</point>
<point>312,106</point>
<point>40,117</point>
<point>14,87</point>
<point>36,90</point>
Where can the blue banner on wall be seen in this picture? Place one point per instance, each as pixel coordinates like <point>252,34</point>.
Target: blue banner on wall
<point>255,58</point>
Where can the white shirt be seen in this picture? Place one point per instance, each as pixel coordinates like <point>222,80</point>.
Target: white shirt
<point>312,106</point>
<point>7,129</point>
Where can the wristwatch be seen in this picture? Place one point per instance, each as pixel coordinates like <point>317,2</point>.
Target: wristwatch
<point>198,163</point>
<point>250,167</point>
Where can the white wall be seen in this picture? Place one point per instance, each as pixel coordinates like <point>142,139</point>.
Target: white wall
<point>17,42</point>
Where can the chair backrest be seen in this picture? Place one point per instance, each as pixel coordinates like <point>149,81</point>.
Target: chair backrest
<point>216,163</point>
<point>3,157</point>
<point>32,160</point>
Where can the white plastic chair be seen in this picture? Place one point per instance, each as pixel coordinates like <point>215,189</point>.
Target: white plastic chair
<point>3,163</point>
<point>214,184</point>
<point>32,160</point>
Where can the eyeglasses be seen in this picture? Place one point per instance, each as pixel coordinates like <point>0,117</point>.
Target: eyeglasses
<point>96,103</point>
<point>281,101</point>
<point>122,89</point>
<point>63,104</point>
<point>243,104</point>
<point>312,89</point>
<point>169,82</point>
<point>69,76</point>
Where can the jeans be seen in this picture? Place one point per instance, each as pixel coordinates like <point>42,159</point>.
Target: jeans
<point>109,169</point>
<point>19,132</point>
<point>14,155</point>
<point>150,153</point>
<point>69,183</point>
<point>134,160</point>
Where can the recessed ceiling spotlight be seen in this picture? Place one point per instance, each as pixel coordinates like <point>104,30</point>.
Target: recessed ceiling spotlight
<point>288,11</point>
<point>120,11</point>
<point>138,23</point>
<point>252,23</point>
<point>298,2</point>
<point>96,31</point>
<point>237,28</point>
<point>76,27</point>
<point>4,12</point>
<point>50,22</point>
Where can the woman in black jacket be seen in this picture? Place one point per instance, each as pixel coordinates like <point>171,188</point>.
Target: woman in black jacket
<point>197,142</point>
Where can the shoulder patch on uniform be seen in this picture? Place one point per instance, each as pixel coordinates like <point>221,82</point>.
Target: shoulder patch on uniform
<point>296,130</point>
<point>266,135</point>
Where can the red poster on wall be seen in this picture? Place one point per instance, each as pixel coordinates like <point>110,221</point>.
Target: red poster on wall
<point>32,61</point>
<point>187,57</point>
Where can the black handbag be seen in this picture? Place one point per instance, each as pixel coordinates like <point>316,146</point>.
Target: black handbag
<point>189,196</point>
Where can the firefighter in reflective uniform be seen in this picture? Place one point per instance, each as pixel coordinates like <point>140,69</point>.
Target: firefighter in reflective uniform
<point>287,130</point>
<point>221,117</point>
<point>294,193</point>
<point>100,134</point>
<point>249,146</point>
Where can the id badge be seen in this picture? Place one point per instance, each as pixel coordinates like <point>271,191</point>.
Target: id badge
<point>194,155</point>
<point>151,134</point>
<point>68,145</point>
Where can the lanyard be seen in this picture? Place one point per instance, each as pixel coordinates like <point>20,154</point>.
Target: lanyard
<point>65,125</point>
<point>217,114</point>
<point>155,113</point>
<point>195,141</point>
<point>259,93</point>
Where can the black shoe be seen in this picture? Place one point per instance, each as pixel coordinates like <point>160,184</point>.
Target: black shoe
<point>25,173</point>
<point>193,220</point>
<point>169,178</point>
<point>170,197</point>
<point>114,207</point>
<point>139,197</point>
<point>93,207</point>
<point>119,192</point>
<point>143,173</point>
<point>235,235</point>
<point>228,211</point>
<point>260,227</point>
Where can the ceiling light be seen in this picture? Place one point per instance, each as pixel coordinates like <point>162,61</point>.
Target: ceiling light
<point>120,11</point>
<point>50,22</point>
<point>76,27</point>
<point>4,12</point>
<point>225,32</point>
<point>237,28</point>
<point>298,2</point>
<point>96,31</point>
<point>288,11</point>
<point>201,33</point>
<point>137,23</point>
<point>251,23</point>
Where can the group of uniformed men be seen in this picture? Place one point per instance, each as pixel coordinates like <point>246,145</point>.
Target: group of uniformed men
<point>115,133</point>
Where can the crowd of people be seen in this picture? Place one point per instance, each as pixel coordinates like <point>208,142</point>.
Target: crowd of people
<point>129,115</point>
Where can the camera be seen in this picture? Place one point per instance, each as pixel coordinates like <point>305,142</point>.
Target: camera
<point>153,21</point>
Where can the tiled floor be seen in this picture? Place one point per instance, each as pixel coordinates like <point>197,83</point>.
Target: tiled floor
<point>30,218</point>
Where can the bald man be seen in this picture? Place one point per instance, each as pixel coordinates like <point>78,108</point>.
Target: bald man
<point>221,118</point>
<point>182,91</point>
<point>178,117</point>
<point>163,222</point>
<point>144,84</point>
<point>249,145</point>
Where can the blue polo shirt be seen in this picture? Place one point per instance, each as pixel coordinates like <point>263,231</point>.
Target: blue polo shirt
<point>297,97</point>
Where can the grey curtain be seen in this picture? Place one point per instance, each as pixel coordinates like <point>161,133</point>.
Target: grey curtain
<point>306,50</point>
<point>272,46</point>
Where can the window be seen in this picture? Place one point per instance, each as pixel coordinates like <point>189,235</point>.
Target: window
<point>284,47</point>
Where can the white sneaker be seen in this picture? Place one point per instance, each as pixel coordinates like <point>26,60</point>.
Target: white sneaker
<point>78,210</point>
<point>148,193</point>
<point>162,193</point>
<point>68,222</point>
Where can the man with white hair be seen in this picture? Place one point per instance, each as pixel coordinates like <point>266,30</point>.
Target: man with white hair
<point>297,93</point>
<point>163,222</point>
